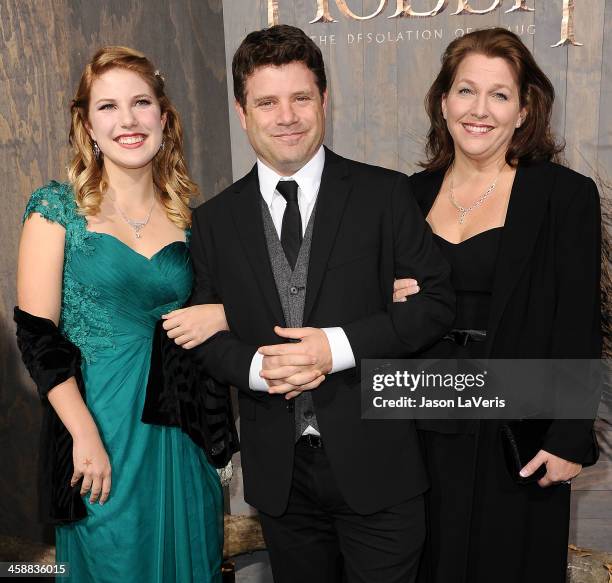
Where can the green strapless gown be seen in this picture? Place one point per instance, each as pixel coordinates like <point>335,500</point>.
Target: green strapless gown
<point>163,522</point>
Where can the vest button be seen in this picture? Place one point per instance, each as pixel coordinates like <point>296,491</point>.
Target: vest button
<point>293,290</point>
<point>308,414</point>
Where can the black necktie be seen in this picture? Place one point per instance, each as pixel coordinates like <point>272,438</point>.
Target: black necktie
<point>291,231</point>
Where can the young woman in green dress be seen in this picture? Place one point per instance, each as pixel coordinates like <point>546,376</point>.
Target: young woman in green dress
<point>102,257</point>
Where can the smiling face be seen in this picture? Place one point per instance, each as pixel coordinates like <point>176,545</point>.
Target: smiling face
<point>482,108</point>
<point>125,119</point>
<point>284,116</point>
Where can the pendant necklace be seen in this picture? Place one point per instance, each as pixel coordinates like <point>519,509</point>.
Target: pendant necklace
<point>463,211</point>
<point>138,226</point>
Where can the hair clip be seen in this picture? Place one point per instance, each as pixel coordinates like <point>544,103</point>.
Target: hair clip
<point>158,74</point>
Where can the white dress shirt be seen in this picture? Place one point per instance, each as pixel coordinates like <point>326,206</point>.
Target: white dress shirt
<point>308,179</point>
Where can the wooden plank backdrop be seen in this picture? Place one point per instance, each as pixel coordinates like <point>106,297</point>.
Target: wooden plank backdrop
<point>379,70</point>
<point>44,45</point>
<point>604,143</point>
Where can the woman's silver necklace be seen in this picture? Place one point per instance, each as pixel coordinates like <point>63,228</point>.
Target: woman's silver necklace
<point>463,211</point>
<point>138,226</point>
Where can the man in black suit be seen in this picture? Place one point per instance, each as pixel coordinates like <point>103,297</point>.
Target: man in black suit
<point>312,242</point>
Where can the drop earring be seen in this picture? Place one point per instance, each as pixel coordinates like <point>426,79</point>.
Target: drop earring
<point>96,150</point>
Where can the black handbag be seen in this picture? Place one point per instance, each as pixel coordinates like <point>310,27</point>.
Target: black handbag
<point>522,439</point>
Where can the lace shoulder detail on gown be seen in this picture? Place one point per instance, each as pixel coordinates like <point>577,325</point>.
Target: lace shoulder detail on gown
<point>54,201</point>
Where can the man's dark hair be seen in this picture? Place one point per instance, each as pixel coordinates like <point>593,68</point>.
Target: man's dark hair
<point>279,45</point>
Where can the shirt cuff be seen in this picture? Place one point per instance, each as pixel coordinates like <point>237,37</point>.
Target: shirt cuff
<point>256,383</point>
<point>342,353</point>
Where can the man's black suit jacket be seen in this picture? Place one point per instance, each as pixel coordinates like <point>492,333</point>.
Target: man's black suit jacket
<point>368,230</point>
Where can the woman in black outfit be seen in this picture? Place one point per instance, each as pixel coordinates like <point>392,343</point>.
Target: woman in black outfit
<point>522,235</point>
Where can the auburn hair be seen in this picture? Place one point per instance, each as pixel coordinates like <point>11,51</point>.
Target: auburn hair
<point>533,140</point>
<point>170,174</point>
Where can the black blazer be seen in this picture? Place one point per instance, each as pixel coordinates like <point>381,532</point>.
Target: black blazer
<point>546,292</point>
<point>367,231</point>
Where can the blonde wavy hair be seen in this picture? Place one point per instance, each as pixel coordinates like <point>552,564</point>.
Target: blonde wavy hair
<point>169,168</point>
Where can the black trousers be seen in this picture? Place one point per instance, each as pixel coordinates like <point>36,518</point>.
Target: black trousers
<point>319,539</point>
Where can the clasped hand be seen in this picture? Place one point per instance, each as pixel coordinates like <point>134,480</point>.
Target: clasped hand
<point>294,367</point>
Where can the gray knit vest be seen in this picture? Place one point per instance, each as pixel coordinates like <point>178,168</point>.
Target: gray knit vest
<point>291,286</point>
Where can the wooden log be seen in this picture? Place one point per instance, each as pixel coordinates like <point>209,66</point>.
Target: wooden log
<point>242,535</point>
